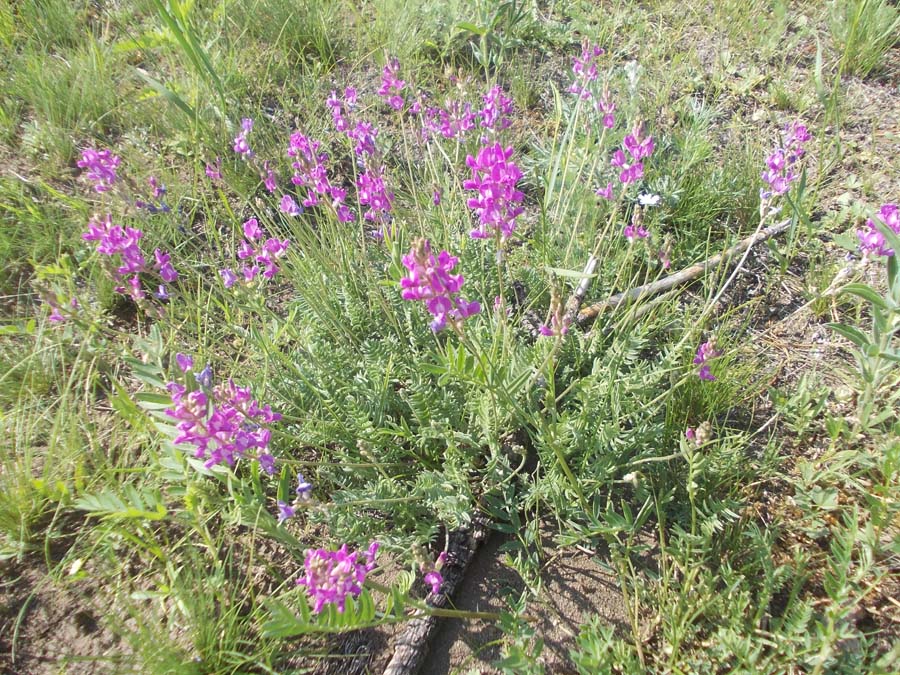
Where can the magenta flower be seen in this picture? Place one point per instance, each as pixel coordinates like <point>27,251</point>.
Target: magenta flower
<point>336,105</point>
<point>664,258</point>
<point>558,325</point>
<point>252,230</point>
<point>260,255</point>
<point>432,574</point>
<point>269,179</point>
<point>496,205</point>
<point>782,162</point>
<point>304,489</point>
<point>372,192</point>
<point>285,511</point>
<point>310,171</point>
<point>871,240</point>
<point>495,115</point>
<point>289,206</point>
<point>205,377</point>
<point>185,362</point>
<point>115,240</point>
<point>331,576</point>
<point>164,266</point>
<point>454,122</point>
<point>638,148</point>
<point>430,280</point>
<point>436,197</point>
<point>214,171</point>
<point>159,192</point>
<point>706,352</point>
<point>241,146</point>
<point>606,193</point>
<point>392,85</point>
<point>633,232</point>
<point>100,167</point>
<point>224,426</point>
<point>607,108</point>
<point>585,70</point>
<point>229,277</point>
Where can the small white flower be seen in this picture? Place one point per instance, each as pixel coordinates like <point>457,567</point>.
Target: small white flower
<point>648,200</point>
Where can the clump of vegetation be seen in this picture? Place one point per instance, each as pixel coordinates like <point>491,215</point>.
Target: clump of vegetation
<point>284,317</point>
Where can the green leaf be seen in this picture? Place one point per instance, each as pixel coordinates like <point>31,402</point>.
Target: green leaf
<point>893,273</point>
<point>855,335</point>
<point>865,292</point>
<point>472,28</point>
<point>132,505</point>
<point>149,400</point>
<point>570,274</point>
<point>167,94</point>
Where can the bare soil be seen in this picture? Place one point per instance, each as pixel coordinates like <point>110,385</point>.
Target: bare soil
<point>49,628</point>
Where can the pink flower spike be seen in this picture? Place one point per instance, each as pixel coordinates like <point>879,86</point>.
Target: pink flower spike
<point>607,192</point>
<point>229,277</point>
<point>251,229</point>
<point>331,576</point>
<point>214,171</point>
<point>185,362</point>
<point>430,280</point>
<point>289,206</point>
<point>100,167</point>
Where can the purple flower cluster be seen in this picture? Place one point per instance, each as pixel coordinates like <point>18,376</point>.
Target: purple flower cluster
<point>457,118</point>
<point>871,241</point>
<point>636,231</point>
<point>495,177</point>
<point>159,193</point>
<point>304,494</point>
<point>363,135</point>
<point>372,193</point>
<point>214,170</point>
<point>163,265</point>
<point>454,121</point>
<point>430,279</point>
<point>781,163</point>
<point>330,576</point>
<point>224,423</point>
<point>639,148</point>
<point>115,240</point>
<point>606,107</point>
<point>606,193</point>
<point>432,573</point>
<point>585,70</point>
<point>56,315</point>
<point>311,173</point>
<point>260,254</point>
<point>289,206</point>
<point>100,167</point>
<point>705,353</point>
<point>268,176</point>
<point>392,85</point>
<point>241,146</point>
<point>339,106</point>
<point>498,107</point>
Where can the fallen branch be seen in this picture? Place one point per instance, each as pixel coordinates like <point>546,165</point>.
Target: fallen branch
<point>671,281</point>
<point>412,646</point>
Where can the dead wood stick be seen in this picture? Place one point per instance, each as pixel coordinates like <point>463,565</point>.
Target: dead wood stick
<point>412,646</point>
<point>681,277</point>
